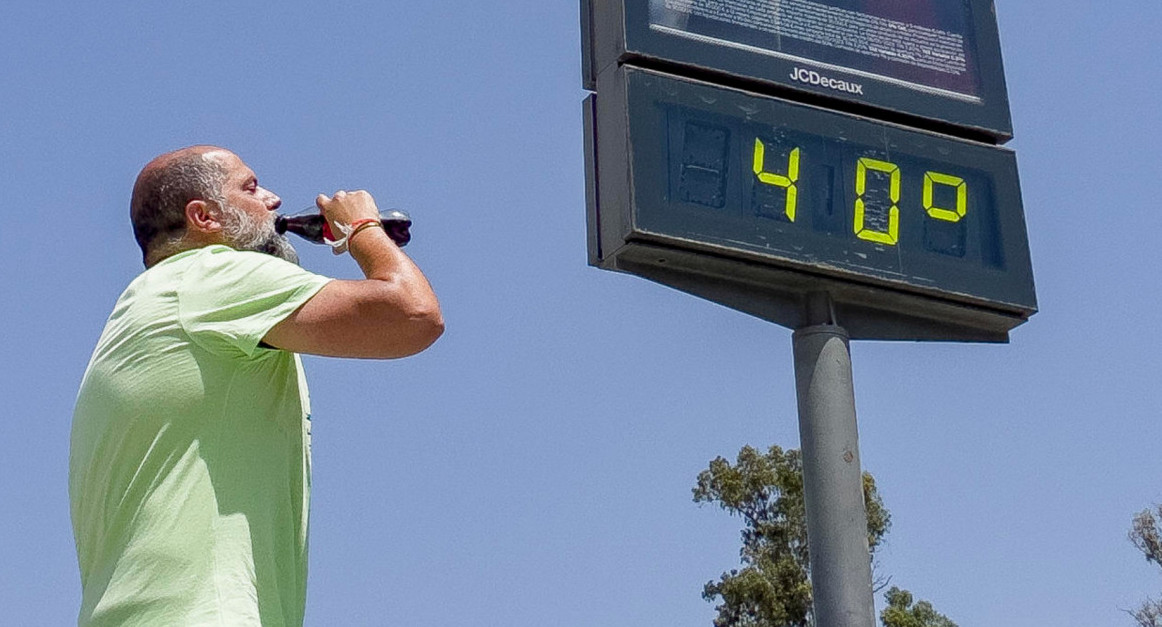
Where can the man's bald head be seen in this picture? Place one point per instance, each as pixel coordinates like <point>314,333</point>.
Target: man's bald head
<point>163,189</point>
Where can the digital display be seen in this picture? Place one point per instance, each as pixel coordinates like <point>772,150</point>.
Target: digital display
<point>829,193</point>
<point>922,44</point>
<point>792,185</point>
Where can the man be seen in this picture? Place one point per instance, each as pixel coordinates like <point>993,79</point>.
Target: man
<point>189,473</point>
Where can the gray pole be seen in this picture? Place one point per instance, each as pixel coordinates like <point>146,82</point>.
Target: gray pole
<point>832,481</point>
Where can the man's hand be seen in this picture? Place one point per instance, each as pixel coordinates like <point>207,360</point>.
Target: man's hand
<point>347,207</point>
<point>393,313</point>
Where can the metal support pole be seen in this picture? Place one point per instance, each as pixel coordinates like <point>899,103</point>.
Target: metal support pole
<point>832,481</point>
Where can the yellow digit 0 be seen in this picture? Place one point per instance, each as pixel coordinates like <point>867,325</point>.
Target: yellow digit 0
<point>931,180</point>
<point>892,235</point>
<point>788,182</point>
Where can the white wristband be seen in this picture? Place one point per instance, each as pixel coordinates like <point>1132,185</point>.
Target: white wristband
<point>339,246</point>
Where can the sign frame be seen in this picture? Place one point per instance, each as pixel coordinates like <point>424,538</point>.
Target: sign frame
<point>619,31</point>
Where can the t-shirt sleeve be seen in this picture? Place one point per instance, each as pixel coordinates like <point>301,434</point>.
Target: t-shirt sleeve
<point>228,300</point>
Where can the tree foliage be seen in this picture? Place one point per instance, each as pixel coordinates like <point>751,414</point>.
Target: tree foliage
<point>773,589</point>
<point>1147,536</point>
<point>900,612</point>
<point>766,490</point>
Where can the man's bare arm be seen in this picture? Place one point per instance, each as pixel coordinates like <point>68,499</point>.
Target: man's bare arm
<point>392,313</point>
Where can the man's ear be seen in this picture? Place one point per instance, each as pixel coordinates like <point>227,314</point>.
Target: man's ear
<point>202,217</point>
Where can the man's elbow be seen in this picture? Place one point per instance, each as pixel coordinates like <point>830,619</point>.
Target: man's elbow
<point>425,325</point>
<point>430,326</point>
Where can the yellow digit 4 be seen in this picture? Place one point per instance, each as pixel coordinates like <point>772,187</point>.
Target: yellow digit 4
<point>892,235</point>
<point>788,182</point>
<point>931,180</point>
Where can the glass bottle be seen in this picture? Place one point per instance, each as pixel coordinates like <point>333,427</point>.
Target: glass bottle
<point>311,227</point>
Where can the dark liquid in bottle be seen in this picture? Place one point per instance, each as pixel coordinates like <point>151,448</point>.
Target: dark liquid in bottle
<point>396,223</point>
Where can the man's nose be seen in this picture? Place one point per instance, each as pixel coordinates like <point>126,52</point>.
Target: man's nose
<point>274,202</point>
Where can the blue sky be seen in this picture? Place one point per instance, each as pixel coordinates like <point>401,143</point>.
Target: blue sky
<point>535,466</point>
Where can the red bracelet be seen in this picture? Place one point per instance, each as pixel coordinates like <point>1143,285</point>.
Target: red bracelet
<point>363,225</point>
<point>358,223</point>
<point>330,236</point>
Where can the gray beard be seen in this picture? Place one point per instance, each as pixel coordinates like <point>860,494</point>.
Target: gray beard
<point>243,233</point>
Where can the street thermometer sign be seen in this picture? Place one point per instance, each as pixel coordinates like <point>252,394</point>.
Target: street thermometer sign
<point>829,165</point>
<point>754,152</point>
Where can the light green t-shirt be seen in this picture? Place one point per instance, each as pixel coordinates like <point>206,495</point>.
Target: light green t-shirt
<point>189,469</point>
